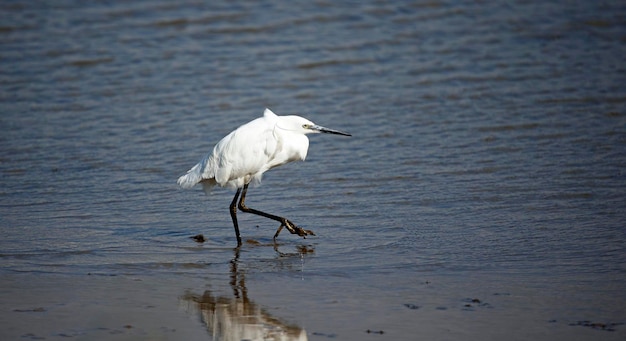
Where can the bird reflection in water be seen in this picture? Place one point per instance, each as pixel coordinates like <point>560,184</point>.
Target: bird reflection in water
<point>239,318</point>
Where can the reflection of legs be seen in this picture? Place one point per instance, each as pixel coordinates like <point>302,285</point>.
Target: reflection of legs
<point>237,280</point>
<point>233,215</point>
<point>291,227</point>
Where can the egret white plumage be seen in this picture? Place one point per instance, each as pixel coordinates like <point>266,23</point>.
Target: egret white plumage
<point>241,158</point>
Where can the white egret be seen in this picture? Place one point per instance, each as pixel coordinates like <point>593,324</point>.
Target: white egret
<point>241,158</point>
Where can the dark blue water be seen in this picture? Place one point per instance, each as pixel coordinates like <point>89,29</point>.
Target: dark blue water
<point>481,196</point>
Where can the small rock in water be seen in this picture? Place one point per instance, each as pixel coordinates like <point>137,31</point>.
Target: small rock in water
<point>198,238</point>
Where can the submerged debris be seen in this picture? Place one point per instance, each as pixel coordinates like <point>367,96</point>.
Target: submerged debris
<point>470,303</point>
<point>330,336</point>
<point>609,327</point>
<point>375,332</point>
<point>34,310</point>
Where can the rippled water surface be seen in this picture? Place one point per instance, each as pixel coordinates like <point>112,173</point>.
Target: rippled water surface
<point>481,196</point>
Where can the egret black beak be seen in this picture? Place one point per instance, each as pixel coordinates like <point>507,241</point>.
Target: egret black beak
<point>328,130</point>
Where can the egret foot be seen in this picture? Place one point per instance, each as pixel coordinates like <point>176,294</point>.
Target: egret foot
<point>293,229</point>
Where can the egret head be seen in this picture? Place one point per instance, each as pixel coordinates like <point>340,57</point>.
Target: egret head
<point>304,126</point>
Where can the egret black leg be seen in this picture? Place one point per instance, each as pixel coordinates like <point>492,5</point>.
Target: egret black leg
<point>233,215</point>
<point>291,227</point>
<point>278,231</point>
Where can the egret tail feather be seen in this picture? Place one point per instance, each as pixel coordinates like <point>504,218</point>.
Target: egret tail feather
<point>192,178</point>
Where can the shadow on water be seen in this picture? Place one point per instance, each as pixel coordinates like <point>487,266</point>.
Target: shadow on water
<point>237,316</point>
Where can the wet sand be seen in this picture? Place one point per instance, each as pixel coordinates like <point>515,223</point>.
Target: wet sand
<point>282,298</point>
<point>94,307</point>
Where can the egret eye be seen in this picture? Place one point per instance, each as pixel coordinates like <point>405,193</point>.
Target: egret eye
<point>306,126</point>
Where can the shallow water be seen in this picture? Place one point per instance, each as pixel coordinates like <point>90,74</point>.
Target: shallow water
<point>481,195</point>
